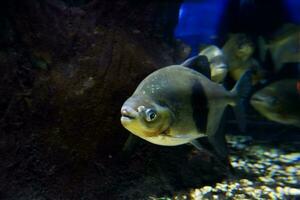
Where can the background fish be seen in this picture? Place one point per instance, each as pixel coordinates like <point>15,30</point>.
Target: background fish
<point>284,46</point>
<point>238,51</point>
<point>279,101</point>
<point>218,67</point>
<point>176,105</point>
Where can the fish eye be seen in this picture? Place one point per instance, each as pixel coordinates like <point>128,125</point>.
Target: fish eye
<point>150,115</point>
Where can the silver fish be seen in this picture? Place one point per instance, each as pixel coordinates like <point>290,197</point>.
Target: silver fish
<point>218,67</point>
<point>238,52</point>
<point>284,46</point>
<point>279,101</point>
<point>176,105</point>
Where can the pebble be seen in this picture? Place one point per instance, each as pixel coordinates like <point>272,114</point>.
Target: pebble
<point>266,179</point>
<point>206,189</point>
<point>291,169</point>
<point>197,192</point>
<point>249,190</point>
<point>229,194</point>
<point>292,180</point>
<point>259,166</point>
<point>234,164</point>
<point>239,197</point>
<point>246,182</point>
<point>221,187</point>
<point>288,191</point>
<point>290,158</point>
<point>271,154</point>
<point>257,193</point>
<point>272,196</point>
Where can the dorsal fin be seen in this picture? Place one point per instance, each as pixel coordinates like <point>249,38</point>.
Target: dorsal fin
<point>198,63</point>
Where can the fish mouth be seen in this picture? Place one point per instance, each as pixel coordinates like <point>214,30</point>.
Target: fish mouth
<point>128,114</point>
<point>258,98</point>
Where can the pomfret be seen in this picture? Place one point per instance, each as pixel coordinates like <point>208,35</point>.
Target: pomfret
<point>279,101</point>
<point>218,67</point>
<point>284,47</point>
<point>176,105</point>
<point>238,51</point>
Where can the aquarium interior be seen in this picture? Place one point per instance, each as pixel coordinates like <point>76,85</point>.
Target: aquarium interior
<point>67,66</point>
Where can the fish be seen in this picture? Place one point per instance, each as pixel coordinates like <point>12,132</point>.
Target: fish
<point>284,46</point>
<point>175,105</point>
<point>238,51</point>
<point>218,67</point>
<point>279,101</point>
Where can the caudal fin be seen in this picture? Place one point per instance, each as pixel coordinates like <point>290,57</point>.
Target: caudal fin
<point>242,90</point>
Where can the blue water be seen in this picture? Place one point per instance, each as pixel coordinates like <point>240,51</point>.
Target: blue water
<point>293,8</point>
<point>199,21</point>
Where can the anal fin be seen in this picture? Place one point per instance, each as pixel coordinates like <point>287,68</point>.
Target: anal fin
<point>215,129</point>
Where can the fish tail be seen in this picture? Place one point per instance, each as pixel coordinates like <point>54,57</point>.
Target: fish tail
<point>242,91</point>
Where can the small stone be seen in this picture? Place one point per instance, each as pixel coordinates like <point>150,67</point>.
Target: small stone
<point>229,194</point>
<point>272,196</point>
<point>279,190</point>
<point>256,193</point>
<point>259,166</point>
<point>290,158</point>
<point>241,163</point>
<point>266,189</point>
<point>274,167</point>
<point>291,191</point>
<point>271,154</point>
<point>239,196</point>
<point>246,182</point>
<point>221,187</point>
<point>206,189</point>
<point>292,180</point>
<point>291,169</point>
<point>234,164</point>
<point>298,173</point>
<point>233,186</point>
<point>248,190</point>
<point>197,192</point>
<point>266,179</point>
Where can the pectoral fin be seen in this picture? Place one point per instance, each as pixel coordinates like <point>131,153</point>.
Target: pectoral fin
<point>215,132</point>
<point>197,145</point>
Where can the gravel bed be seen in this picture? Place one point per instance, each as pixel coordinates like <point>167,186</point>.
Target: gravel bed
<point>263,171</point>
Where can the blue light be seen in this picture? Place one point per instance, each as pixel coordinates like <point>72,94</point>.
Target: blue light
<point>293,7</point>
<point>199,20</point>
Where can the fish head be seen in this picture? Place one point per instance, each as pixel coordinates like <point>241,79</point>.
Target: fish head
<point>144,117</point>
<point>218,73</point>
<point>267,102</point>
